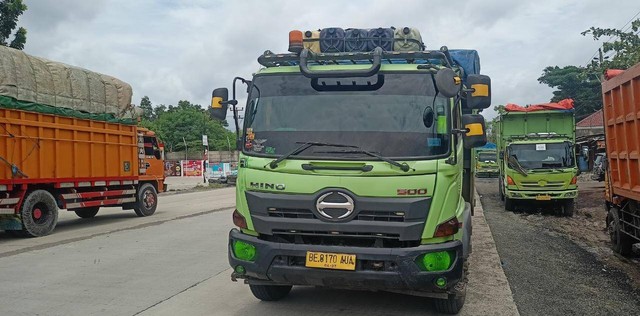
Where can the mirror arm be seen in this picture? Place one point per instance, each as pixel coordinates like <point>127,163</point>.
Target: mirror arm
<point>233,102</point>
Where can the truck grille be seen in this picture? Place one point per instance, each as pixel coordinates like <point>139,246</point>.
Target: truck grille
<point>536,184</point>
<point>375,216</point>
<point>352,239</point>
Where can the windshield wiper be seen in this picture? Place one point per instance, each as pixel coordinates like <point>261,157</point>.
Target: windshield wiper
<point>403,166</point>
<point>515,164</point>
<point>305,145</point>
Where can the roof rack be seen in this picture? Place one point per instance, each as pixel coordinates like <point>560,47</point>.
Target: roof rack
<point>270,59</point>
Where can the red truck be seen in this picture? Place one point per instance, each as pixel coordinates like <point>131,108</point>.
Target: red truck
<point>621,105</point>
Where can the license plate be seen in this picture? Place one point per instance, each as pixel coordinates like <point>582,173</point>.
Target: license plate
<point>337,261</point>
<point>543,198</point>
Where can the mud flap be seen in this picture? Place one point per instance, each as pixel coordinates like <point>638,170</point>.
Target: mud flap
<point>10,223</point>
<point>467,231</point>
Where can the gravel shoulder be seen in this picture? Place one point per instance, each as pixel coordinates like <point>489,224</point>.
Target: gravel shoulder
<point>553,271</point>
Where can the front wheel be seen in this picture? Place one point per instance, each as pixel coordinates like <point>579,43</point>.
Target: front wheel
<point>568,207</point>
<point>270,292</point>
<point>509,204</point>
<point>147,200</point>
<point>39,214</point>
<point>455,302</point>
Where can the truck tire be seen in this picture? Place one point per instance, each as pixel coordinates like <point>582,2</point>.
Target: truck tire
<point>270,292</point>
<point>568,207</point>
<point>86,212</point>
<point>39,214</point>
<point>620,242</point>
<point>509,204</point>
<point>147,201</point>
<point>455,302</point>
<point>501,189</point>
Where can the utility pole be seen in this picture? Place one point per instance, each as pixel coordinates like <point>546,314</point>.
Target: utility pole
<point>185,148</point>
<point>205,162</point>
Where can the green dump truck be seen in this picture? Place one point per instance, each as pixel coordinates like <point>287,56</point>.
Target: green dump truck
<point>352,172</point>
<point>486,164</point>
<point>537,160</point>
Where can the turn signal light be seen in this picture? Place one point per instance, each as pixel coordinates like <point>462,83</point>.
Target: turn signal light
<point>295,41</point>
<point>510,181</point>
<point>239,220</point>
<point>448,228</point>
<point>574,180</point>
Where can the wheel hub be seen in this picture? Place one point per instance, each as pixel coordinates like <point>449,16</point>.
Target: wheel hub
<point>37,213</point>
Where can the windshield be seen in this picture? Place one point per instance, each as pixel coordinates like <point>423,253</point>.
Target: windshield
<point>543,156</point>
<point>393,115</point>
<point>485,157</point>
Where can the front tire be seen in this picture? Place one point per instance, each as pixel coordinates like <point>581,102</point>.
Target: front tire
<point>39,214</point>
<point>620,242</point>
<point>455,302</point>
<point>87,212</point>
<point>501,189</point>
<point>509,204</point>
<point>270,292</point>
<point>568,207</point>
<point>147,200</point>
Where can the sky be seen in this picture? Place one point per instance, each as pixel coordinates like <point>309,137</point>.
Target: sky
<point>173,50</point>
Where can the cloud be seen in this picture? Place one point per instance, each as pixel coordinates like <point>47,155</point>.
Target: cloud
<point>173,50</point>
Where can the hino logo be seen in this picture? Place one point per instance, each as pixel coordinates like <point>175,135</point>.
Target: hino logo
<point>335,205</point>
<point>266,186</point>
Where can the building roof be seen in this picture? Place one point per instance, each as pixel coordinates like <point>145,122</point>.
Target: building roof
<point>594,120</point>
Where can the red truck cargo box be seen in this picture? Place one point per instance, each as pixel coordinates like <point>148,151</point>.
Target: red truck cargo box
<point>621,104</point>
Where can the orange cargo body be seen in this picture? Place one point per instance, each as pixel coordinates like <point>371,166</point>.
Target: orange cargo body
<point>621,104</point>
<point>49,148</point>
<point>51,162</point>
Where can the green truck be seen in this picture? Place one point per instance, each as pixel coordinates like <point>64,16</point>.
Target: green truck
<point>352,172</point>
<point>537,159</point>
<point>486,164</point>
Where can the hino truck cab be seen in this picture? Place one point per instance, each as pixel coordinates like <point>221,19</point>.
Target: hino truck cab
<point>354,172</point>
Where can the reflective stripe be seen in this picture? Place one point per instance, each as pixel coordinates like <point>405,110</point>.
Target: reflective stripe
<point>7,211</point>
<point>9,201</point>
<point>114,182</point>
<point>84,184</point>
<point>103,183</point>
<point>67,185</point>
<point>3,187</point>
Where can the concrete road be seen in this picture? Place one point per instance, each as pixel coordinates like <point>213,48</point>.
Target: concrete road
<point>548,273</point>
<point>175,262</point>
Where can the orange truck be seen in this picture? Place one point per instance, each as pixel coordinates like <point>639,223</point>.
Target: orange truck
<point>63,156</point>
<point>621,105</point>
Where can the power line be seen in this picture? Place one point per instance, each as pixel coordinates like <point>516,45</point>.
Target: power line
<point>610,37</point>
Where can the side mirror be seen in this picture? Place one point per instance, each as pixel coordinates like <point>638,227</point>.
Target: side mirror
<point>476,135</point>
<point>219,103</point>
<point>447,82</point>
<point>157,154</point>
<point>480,97</point>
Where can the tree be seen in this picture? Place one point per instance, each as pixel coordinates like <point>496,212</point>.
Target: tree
<point>624,50</point>
<point>577,83</point>
<point>189,121</point>
<point>10,11</point>
<point>147,109</point>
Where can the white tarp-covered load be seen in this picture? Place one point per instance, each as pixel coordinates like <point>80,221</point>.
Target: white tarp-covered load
<point>33,79</point>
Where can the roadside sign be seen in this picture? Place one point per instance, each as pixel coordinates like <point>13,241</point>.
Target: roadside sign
<point>205,141</point>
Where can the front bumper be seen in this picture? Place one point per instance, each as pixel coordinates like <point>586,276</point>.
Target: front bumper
<point>284,263</point>
<point>535,195</point>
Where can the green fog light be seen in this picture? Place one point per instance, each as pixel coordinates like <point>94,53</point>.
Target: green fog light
<point>240,270</point>
<point>244,251</point>
<point>441,282</point>
<point>436,261</point>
